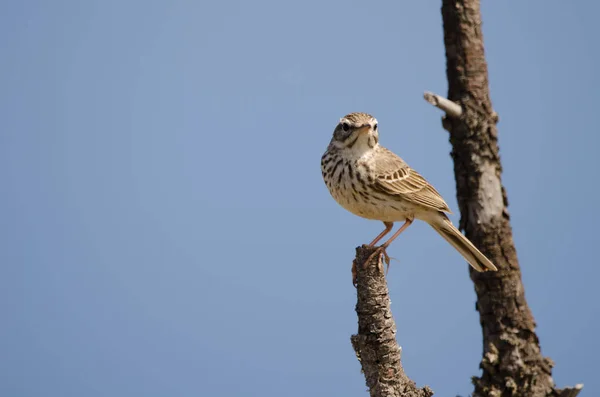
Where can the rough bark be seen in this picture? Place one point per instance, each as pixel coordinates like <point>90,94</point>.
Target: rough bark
<point>375,344</point>
<point>512,361</point>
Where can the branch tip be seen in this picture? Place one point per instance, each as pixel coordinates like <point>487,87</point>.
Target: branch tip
<point>452,109</point>
<point>571,391</point>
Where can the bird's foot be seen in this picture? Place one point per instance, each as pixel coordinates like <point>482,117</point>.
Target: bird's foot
<point>379,251</point>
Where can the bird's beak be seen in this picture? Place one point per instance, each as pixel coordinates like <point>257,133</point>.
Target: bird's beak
<point>365,128</point>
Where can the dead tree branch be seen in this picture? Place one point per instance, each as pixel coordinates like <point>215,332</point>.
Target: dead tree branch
<point>512,362</point>
<point>375,344</point>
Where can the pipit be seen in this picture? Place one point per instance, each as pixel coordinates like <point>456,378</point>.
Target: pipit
<point>372,182</point>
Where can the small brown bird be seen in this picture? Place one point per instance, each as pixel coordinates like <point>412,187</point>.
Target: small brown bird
<point>372,182</point>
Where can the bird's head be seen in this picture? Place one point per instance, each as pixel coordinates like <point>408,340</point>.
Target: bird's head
<point>356,132</point>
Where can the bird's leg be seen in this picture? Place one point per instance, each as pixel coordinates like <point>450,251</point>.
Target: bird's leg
<point>388,227</point>
<point>407,223</point>
<point>382,248</point>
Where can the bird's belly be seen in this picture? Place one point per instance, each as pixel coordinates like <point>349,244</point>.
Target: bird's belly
<point>371,205</point>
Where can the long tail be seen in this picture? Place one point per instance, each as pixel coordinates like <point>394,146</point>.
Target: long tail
<point>451,234</point>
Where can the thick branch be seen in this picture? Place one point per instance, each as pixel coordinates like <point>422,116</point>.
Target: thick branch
<point>375,344</point>
<point>512,361</point>
<point>452,109</point>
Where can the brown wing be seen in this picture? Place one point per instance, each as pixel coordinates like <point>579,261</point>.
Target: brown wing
<point>394,177</point>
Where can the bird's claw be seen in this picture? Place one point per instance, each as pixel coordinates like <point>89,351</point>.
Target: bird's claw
<point>379,251</point>
<point>386,259</point>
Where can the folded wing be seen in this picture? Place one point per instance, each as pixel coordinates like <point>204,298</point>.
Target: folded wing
<point>395,178</point>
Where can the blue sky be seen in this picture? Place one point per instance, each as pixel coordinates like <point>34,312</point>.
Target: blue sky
<point>165,229</point>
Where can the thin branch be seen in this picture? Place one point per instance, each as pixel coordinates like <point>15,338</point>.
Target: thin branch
<point>571,391</point>
<point>452,109</point>
<point>375,344</point>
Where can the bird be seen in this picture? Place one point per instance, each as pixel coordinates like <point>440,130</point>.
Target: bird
<point>372,182</point>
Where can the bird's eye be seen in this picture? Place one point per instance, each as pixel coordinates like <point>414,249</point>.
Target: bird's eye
<point>345,126</point>
<point>375,127</point>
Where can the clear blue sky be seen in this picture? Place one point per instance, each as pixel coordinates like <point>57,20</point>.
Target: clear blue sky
<point>165,229</point>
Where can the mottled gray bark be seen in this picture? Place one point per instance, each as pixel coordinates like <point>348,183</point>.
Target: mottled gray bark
<point>512,362</point>
<point>375,344</point>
